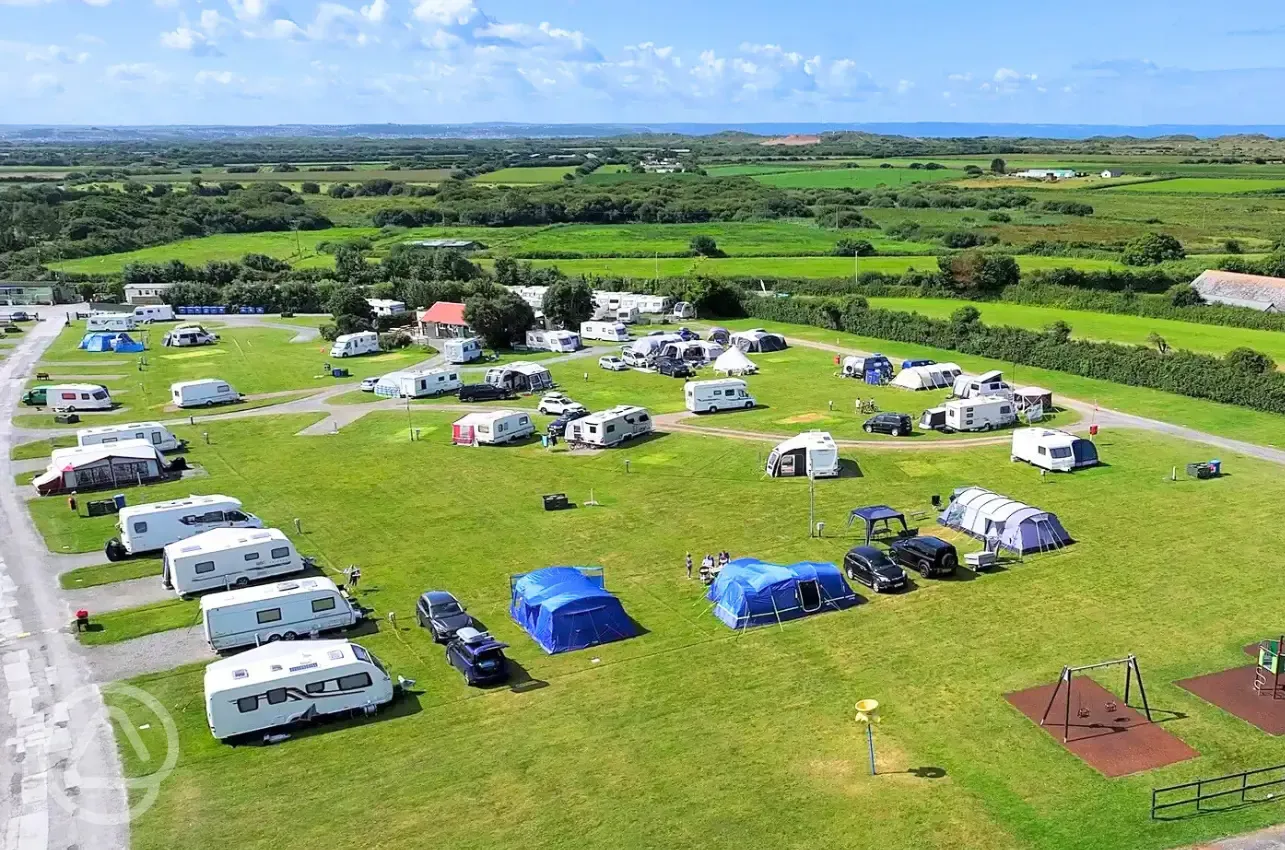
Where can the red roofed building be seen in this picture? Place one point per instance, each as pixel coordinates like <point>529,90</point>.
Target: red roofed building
<point>445,319</point>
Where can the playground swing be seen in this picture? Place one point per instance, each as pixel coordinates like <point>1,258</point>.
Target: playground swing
<point>1267,676</point>
<point>1110,706</point>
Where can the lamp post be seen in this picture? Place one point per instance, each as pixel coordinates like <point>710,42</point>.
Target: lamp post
<point>868,714</point>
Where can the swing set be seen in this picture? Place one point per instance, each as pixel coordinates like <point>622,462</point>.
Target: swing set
<point>1131,672</point>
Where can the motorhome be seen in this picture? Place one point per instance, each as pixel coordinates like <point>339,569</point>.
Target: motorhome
<point>72,397</point>
<point>812,454</point>
<point>458,351</point>
<point>1056,451</point>
<point>606,331</point>
<point>153,432</point>
<point>284,610</point>
<point>422,384</point>
<point>386,307</point>
<point>627,315</point>
<point>228,557</point>
<point>563,341</point>
<point>186,336</point>
<point>610,427</point>
<point>151,527</point>
<point>970,414</point>
<point>492,428</point>
<point>720,394</point>
<point>205,392</point>
<point>147,313</point>
<point>987,383</point>
<point>110,322</point>
<point>280,683</point>
<point>355,345</point>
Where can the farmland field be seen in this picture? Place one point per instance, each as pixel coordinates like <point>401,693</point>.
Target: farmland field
<point>856,178</point>
<point>1206,185</point>
<point>518,176</point>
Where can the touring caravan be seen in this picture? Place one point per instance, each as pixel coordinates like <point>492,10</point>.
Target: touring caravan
<point>355,345</point>
<point>153,432</point>
<point>684,310</point>
<point>228,557</point>
<point>72,397</point>
<point>563,341</point>
<point>606,331</point>
<point>459,351</point>
<point>520,377</point>
<point>425,384</point>
<point>986,384</point>
<point>627,315</point>
<point>147,528</point>
<point>282,611</point>
<point>1056,451</point>
<point>610,427</point>
<point>205,392</point>
<point>812,454</point>
<point>492,428</point>
<point>186,336</point>
<point>720,394</point>
<point>84,468</point>
<point>110,322</point>
<point>148,313</point>
<point>386,307</point>
<point>283,683</point>
<point>970,414</point>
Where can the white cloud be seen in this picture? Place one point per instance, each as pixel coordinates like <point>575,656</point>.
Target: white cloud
<point>904,86</point>
<point>136,74</point>
<point>43,84</point>
<point>376,12</point>
<point>446,12</point>
<point>1007,81</point>
<point>249,10</point>
<point>44,53</point>
<point>222,78</point>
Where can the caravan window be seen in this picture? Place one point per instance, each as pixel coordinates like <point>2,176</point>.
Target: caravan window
<point>234,516</point>
<point>110,440</point>
<point>354,682</point>
<point>100,394</point>
<point>326,604</point>
<point>205,567</point>
<point>224,388</point>
<point>156,438</point>
<point>281,552</point>
<point>247,704</point>
<point>276,696</point>
<point>140,528</point>
<point>315,687</point>
<point>611,429</point>
<point>642,417</point>
<point>203,519</point>
<point>1061,452</point>
<point>252,556</point>
<point>268,615</point>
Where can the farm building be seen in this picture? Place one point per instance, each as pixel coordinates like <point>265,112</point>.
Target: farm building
<point>749,592</point>
<point>935,376</point>
<point>1108,173</point>
<point>1046,173</point>
<point>567,608</point>
<point>734,362</point>
<point>36,293</point>
<point>1002,522</point>
<point>444,320</point>
<point>146,293</point>
<point>452,244</point>
<point>100,466</point>
<point>1255,291</point>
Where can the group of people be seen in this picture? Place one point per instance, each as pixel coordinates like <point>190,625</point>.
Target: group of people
<point>711,565</point>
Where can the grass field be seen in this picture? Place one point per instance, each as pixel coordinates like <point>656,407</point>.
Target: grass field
<point>520,176</point>
<point>110,573</point>
<point>1205,185</point>
<point>856,178</point>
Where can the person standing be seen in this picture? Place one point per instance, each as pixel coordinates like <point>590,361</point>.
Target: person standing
<point>689,565</point>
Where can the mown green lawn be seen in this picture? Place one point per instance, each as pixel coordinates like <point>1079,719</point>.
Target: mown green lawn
<point>41,448</point>
<point>110,573</point>
<point>116,626</point>
<point>692,735</point>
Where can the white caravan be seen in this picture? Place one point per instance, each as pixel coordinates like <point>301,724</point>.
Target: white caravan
<point>147,528</point>
<point>282,683</point>
<point>492,428</point>
<point>985,384</point>
<point>282,611</point>
<point>228,557</point>
<point>430,382</point>
<point>627,315</point>
<point>386,306</point>
<point>186,336</point>
<point>606,331</point>
<point>684,310</point>
<point>719,394</point>
<point>970,414</point>
<point>110,322</point>
<point>812,454</point>
<point>459,351</point>
<point>563,341</point>
<point>153,432</point>
<point>148,313</point>
<point>1056,451</point>
<point>610,427</point>
<point>73,397</point>
<point>355,345</point>
<point>205,392</point>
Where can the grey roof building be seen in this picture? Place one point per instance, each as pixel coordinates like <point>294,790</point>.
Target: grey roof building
<point>1255,291</point>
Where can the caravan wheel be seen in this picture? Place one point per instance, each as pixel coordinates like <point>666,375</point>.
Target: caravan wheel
<point>289,636</point>
<point>243,581</point>
<point>713,408</point>
<point>749,405</point>
<point>273,638</point>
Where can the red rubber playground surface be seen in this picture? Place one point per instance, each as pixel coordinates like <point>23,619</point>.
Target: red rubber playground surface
<point>1114,743</point>
<point>1233,691</point>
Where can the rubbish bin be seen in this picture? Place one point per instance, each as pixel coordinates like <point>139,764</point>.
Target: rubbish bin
<point>1216,467</point>
<point>119,499</point>
<point>339,373</point>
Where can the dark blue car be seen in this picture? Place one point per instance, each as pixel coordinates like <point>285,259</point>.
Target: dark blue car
<point>478,656</point>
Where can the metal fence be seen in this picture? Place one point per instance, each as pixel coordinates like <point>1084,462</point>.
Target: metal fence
<point>1261,785</point>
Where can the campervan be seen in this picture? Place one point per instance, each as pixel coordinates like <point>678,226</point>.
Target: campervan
<point>988,383</point>
<point>110,322</point>
<point>607,331</point>
<point>205,392</point>
<point>147,313</point>
<point>970,414</point>
<point>282,683</point>
<point>282,611</point>
<point>227,557</point>
<point>1056,451</point>
<point>610,427</point>
<point>72,397</point>
<point>186,336</point>
<point>627,315</point>
<point>355,345</point>
<point>564,341</point>
<point>147,528</point>
<point>430,382</point>
<point>153,432</point>
<point>492,428</point>
<point>720,394</point>
<point>458,351</point>
<point>813,454</point>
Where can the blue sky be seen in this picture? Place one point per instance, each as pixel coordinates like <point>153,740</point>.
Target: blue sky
<point>434,61</point>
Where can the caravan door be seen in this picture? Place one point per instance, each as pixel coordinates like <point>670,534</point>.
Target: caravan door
<point>772,460</point>
<point>787,465</point>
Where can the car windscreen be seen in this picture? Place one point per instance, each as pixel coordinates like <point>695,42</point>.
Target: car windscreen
<point>445,609</point>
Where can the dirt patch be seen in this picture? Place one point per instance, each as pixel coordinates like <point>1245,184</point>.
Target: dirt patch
<point>1114,743</point>
<point>1233,691</point>
<point>803,418</point>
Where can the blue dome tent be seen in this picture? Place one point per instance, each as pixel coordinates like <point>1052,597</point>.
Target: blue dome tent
<point>100,341</point>
<point>749,592</point>
<point>566,608</point>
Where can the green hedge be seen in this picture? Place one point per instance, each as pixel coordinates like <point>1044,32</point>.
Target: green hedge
<point>1132,304</point>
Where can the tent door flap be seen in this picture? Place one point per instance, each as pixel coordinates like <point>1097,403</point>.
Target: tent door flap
<point>809,595</point>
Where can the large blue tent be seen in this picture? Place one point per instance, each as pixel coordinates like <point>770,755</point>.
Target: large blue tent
<point>566,608</point>
<point>100,341</point>
<point>750,592</point>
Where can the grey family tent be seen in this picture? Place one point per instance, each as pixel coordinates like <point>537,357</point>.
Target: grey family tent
<point>749,592</point>
<point>1007,523</point>
<point>566,608</point>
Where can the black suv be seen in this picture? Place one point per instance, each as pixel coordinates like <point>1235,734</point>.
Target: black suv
<point>931,556</point>
<point>558,427</point>
<point>871,567</point>
<point>483,392</point>
<point>896,424</point>
<point>674,368</point>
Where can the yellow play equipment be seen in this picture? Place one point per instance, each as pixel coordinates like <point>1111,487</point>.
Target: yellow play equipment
<point>868,714</point>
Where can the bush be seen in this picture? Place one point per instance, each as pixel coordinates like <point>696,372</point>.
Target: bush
<point>329,331</point>
<point>704,246</point>
<point>853,248</point>
<point>1152,249</point>
<point>963,239</point>
<point>1184,295</point>
<point>394,340</point>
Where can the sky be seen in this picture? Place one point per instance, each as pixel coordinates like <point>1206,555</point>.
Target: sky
<point>123,62</point>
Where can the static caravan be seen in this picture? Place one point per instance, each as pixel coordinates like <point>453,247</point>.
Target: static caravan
<point>492,428</point>
<point>153,432</point>
<point>606,331</point>
<point>934,376</point>
<point>147,528</point>
<point>205,392</point>
<point>970,414</point>
<point>812,454</point>
<point>186,336</point>
<point>228,557</point>
<point>986,384</point>
<point>148,313</point>
<point>425,384</point>
<point>110,322</point>
<point>283,683</point>
<point>553,341</point>
<point>610,427</point>
<point>73,397</point>
<point>84,468</point>
<point>1056,451</point>
<point>386,307</point>
<point>459,351</point>
<point>282,611</point>
<point>716,395</point>
<point>355,345</point>
<point>758,340</point>
<point>520,377</point>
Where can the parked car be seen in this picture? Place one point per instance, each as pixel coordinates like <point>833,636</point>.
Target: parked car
<point>612,364</point>
<point>368,384</point>
<point>873,568</point>
<point>688,335</point>
<point>674,368</point>
<point>478,656</point>
<point>635,360</point>
<point>558,427</point>
<point>484,392</point>
<point>896,424</point>
<point>18,316</point>
<point>442,614</point>
<point>555,404</point>
<point>931,556</point>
